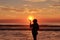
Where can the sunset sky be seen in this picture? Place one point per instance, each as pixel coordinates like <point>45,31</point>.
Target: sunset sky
<point>17,11</point>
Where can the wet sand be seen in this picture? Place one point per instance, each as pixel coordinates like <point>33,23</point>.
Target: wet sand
<point>26,35</point>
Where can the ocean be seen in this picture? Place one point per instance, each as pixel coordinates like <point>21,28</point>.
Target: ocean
<point>24,33</point>
<point>27,35</point>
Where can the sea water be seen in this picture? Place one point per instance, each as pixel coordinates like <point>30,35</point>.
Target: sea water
<point>26,34</point>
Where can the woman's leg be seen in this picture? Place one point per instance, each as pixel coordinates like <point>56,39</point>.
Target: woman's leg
<point>34,33</point>
<point>35,37</point>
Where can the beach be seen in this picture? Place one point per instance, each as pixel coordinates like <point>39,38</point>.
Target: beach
<point>26,35</point>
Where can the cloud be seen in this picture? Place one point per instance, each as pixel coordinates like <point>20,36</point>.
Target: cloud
<point>36,0</point>
<point>27,5</point>
<point>10,9</point>
<point>51,9</point>
<point>56,0</point>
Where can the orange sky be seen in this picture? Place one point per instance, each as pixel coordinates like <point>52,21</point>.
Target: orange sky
<point>17,11</point>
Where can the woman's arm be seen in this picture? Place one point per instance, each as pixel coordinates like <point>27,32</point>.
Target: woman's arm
<point>30,24</point>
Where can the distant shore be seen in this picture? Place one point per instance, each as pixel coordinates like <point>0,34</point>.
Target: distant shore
<point>26,27</point>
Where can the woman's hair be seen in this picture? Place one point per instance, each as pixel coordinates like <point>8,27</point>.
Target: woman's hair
<point>35,20</point>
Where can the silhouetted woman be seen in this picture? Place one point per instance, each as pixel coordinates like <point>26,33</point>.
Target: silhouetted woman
<point>35,28</point>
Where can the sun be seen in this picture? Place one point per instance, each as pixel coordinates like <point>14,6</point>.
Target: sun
<point>30,17</point>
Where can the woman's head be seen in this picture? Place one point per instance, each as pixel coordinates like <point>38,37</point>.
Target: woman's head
<point>35,21</point>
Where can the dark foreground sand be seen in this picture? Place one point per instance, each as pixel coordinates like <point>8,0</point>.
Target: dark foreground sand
<point>26,35</point>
